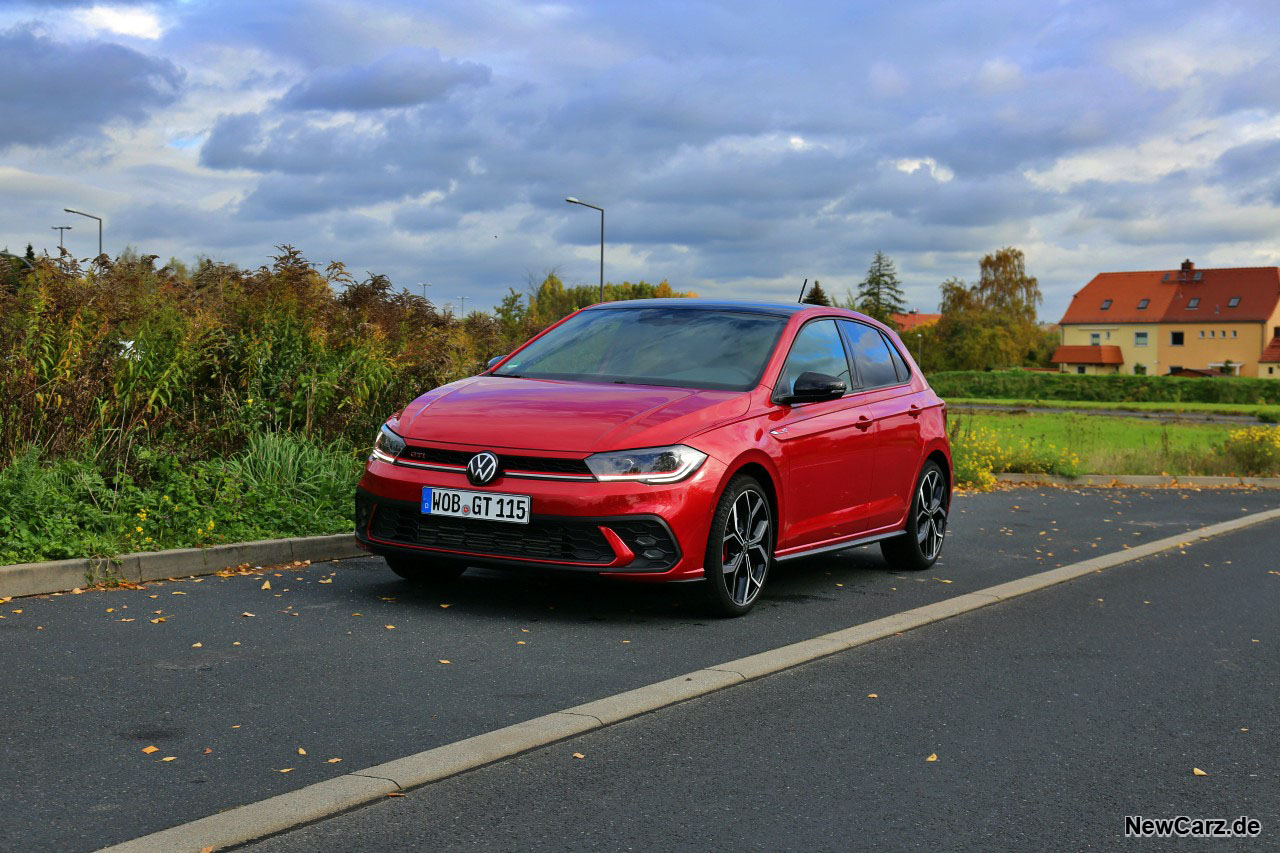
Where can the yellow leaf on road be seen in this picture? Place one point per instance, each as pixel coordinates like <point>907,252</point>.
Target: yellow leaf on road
<point>150,749</point>
<point>207,750</point>
<point>933,756</point>
<point>446,605</point>
<point>246,613</point>
<point>442,660</point>
<point>873,695</point>
<point>326,580</point>
<point>77,591</point>
<point>389,627</point>
<point>333,761</point>
<point>197,645</point>
<point>520,643</point>
<point>126,620</point>
<point>578,755</point>
<point>285,770</point>
<point>1196,771</point>
<point>170,758</point>
<point>157,620</point>
<point>301,751</point>
<point>266,585</point>
<point>177,593</point>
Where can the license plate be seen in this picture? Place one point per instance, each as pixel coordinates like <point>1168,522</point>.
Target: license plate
<point>460,503</point>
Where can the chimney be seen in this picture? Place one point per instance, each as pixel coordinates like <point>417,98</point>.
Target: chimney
<point>1187,268</point>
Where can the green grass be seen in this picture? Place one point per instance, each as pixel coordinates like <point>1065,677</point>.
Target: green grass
<point>1095,444</point>
<point>1268,414</point>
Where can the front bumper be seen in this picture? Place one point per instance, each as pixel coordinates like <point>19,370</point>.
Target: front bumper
<point>642,532</point>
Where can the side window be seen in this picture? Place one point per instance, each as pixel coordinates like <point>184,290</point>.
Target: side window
<point>898,363</point>
<point>870,355</point>
<point>817,348</point>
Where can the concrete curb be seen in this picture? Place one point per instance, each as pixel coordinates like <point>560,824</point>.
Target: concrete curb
<point>61,575</point>
<point>324,799</point>
<point>1140,480</point>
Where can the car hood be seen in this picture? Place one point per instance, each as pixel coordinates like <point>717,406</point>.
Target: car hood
<point>573,417</point>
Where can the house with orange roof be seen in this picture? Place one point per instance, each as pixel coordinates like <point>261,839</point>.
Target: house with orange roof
<point>913,320</point>
<point>1172,321</point>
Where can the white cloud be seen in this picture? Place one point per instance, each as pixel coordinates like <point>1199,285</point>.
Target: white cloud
<point>937,171</point>
<point>999,75</point>
<point>132,21</point>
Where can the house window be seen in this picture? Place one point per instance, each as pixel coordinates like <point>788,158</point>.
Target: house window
<point>1139,370</point>
<point>1139,339</point>
<point>1233,333</point>
<point>1224,333</point>
<point>1175,339</point>
<point>1106,304</point>
<point>1095,338</point>
<point>1233,302</point>
<point>1271,370</point>
<point>1210,333</point>
<point>1175,368</point>
<point>1079,368</point>
<point>1193,303</point>
<point>1202,333</point>
<point>1143,303</point>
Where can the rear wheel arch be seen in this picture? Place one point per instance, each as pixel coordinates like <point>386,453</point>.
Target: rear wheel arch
<point>944,463</point>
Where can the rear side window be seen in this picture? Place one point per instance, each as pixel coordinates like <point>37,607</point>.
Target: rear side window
<point>871,355</point>
<point>898,364</point>
<point>817,348</point>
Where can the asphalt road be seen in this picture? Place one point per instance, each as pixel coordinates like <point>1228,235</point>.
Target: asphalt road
<point>1051,717</point>
<point>317,668</point>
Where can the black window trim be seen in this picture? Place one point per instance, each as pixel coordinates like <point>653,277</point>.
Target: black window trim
<point>853,362</point>
<point>848,361</point>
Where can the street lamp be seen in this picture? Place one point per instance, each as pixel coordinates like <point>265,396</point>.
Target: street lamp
<point>573,200</point>
<point>91,216</point>
<point>920,349</point>
<point>463,300</point>
<point>60,229</point>
<point>424,287</point>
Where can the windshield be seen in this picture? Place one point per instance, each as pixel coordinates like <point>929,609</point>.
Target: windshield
<point>680,347</point>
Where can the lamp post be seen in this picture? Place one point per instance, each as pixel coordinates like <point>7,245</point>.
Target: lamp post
<point>573,200</point>
<point>463,300</point>
<point>60,229</point>
<point>920,349</point>
<point>91,216</point>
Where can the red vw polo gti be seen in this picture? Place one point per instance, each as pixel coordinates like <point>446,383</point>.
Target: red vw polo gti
<point>668,440</point>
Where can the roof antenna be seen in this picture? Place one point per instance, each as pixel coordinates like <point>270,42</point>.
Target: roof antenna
<point>803,288</point>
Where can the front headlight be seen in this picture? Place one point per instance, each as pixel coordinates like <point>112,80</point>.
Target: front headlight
<point>387,446</point>
<point>647,465</point>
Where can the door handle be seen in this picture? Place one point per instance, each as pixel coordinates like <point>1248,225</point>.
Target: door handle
<point>914,410</point>
<point>863,422</point>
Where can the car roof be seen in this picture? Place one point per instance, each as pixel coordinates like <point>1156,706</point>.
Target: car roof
<point>783,309</point>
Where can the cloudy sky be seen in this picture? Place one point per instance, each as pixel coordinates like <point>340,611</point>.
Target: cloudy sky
<point>738,147</point>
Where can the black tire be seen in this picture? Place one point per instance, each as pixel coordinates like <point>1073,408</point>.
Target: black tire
<point>424,570</point>
<point>739,548</point>
<point>921,542</point>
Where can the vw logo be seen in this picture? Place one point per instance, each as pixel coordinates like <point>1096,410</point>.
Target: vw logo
<point>482,468</point>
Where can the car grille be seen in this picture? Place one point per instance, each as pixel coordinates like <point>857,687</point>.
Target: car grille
<point>550,538</point>
<point>537,464</point>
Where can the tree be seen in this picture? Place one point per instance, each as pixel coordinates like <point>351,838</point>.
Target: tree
<point>816,295</point>
<point>880,293</point>
<point>991,324</point>
<point>31,254</point>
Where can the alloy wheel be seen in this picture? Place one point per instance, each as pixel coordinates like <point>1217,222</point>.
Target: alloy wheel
<point>931,514</point>
<point>745,550</point>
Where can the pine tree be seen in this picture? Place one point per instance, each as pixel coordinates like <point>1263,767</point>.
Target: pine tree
<point>816,295</point>
<point>31,253</point>
<point>880,293</point>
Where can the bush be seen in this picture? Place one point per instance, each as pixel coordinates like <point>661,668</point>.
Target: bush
<point>1031,385</point>
<point>1255,450</point>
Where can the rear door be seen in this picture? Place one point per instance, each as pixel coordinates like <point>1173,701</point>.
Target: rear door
<point>826,450</point>
<point>895,411</point>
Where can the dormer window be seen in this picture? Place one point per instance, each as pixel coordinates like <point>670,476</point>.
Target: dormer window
<point>1106,303</point>
<point>1193,303</point>
<point>1233,302</point>
<point>1143,303</point>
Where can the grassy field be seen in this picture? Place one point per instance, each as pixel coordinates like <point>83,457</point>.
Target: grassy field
<point>1093,444</point>
<point>1268,414</point>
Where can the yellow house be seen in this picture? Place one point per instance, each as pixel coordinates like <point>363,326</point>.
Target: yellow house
<point>1175,321</point>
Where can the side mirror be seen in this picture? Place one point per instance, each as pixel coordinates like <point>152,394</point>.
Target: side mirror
<point>493,361</point>
<point>811,387</point>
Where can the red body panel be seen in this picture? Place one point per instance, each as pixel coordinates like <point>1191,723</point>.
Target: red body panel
<point>840,470</point>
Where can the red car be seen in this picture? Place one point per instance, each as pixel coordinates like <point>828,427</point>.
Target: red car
<point>668,440</point>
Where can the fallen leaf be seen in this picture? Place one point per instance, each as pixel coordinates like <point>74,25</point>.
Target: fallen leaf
<point>933,756</point>
<point>207,750</point>
<point>333,761</point>
<point>446,605</point>
<point>1196,771</point>
<point>17,611</point>
<point>326,580</point>
<point>301,751</point>
<point>578,755</point>
<point>521,643</point>
<point>389,627</point>
<point>236,726</point>
<point>77,591</point>
<point>177,593</point>
<point>236,643</point>
<point>170,758</point>
<point>126,620</point>
<point>266,585</point>
<point>150,749</point>
<point>285,770</point>
<point>157,620</point>
<point>1244,730</point>
<point>246,613</point>
<point>873,695</point>
<point>524,631</point>
<point>153,596</point>
<point>206,850</point>
<point>357,614</point>
<point>394,794</point>
<point>442,660</point>
<point>197,645</point>
<point>626,641</point>
<point>385,599</point>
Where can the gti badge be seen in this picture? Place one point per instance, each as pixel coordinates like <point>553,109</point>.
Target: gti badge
<point>482,468</point>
